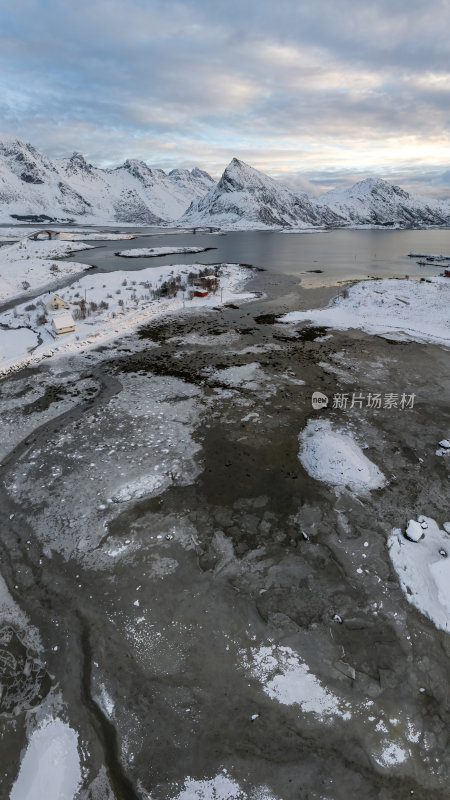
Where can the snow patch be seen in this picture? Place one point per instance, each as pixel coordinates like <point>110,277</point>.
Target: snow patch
<point>391,755</point>
<point>222,787</point>
<point>334,457</point>
<point>246,376</point>
<point>51,765</point>
<point>424,571</point>
<point>286,678</point>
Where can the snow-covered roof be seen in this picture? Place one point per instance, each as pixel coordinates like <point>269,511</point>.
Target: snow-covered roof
<point>63,321</point>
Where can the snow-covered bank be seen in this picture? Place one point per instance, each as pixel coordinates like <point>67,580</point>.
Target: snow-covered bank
<point>423,568</point>
<point>106,306</point>
<point>93,236</point>
<point>152,252</point>
<point>19,233</point>
<point>28,265</point>
<point>334,457</point>
<point>395,309</point>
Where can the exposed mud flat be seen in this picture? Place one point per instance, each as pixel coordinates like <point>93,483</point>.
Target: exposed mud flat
<point>210,616</point>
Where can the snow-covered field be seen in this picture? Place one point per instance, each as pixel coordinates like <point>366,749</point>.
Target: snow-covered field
<point>396,309</point>
<point>106,306</point>
<point>27,266</point>
<point>334,457</point>
<point>151,252</point>
<point>423,568</point>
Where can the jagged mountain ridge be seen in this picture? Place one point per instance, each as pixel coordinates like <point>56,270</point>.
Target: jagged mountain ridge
<point>35,186</point>
<point>32,185</point>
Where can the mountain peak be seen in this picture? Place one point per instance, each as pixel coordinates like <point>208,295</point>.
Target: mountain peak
<point>202,174</point>
<point>239,176</point>
<point>78,163</point>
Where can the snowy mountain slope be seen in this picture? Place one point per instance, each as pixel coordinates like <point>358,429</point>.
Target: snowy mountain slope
<point>197,180</point>
<point>32,185</point>
<point>376,202</point>
<point>133,192</point>
<point>246,198</point>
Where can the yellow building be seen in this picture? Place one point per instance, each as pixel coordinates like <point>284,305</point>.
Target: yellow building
<point>56,303</point>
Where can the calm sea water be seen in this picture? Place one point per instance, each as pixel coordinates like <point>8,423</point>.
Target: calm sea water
<point>339,255</point>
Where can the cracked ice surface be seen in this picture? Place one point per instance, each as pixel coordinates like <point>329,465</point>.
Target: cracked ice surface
<point>136,446</point>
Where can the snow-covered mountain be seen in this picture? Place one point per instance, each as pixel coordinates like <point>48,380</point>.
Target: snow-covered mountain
<point>196,178</point>
<point>246,198</point>
<point>32,185</point>
<point>374,201</point>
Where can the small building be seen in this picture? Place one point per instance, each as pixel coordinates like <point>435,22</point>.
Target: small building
<point>201,293</point>
<point>56,303</point>
<point>63,323</point>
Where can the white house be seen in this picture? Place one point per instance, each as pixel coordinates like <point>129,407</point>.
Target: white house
<point>63,323</point>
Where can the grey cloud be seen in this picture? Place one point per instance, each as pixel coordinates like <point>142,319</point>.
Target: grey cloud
<point>170,82</point>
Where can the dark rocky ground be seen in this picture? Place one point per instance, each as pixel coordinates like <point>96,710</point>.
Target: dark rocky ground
<point>241,550</point>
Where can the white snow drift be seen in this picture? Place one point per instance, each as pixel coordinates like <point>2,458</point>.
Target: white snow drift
<point>332,456</point>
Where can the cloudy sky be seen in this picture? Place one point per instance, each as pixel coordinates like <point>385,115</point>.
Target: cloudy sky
<point>318,92</point>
